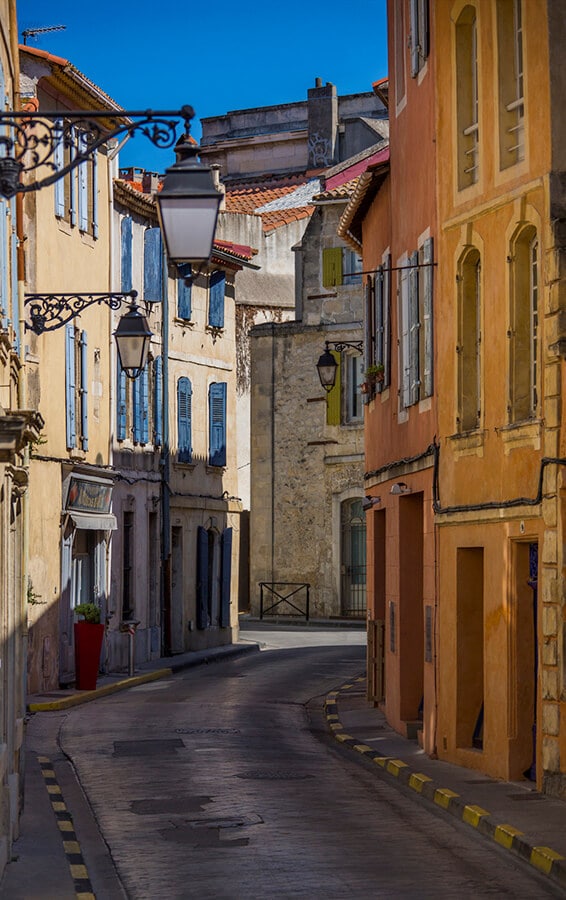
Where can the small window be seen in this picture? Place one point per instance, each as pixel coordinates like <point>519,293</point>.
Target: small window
<point>184,291</point>
<point>524,328</point>
<point>216,300</point>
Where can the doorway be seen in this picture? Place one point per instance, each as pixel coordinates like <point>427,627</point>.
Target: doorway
<point>83,580</point>
<point>353,559</point>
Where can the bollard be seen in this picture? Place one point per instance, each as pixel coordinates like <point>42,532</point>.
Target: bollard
<point>129,628</point>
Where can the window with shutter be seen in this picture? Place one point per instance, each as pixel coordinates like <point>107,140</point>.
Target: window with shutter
<point>184,291</point>
<point>59,162</point>
<point>70,387</point>
<point>387,322</point>
<point>84,390</point>
<point>352,396</point>
<point>331,266</point>
<point>83,179</point>
<point>184,420</point>
<point>352,267</point>
<point>419,35</point>
<point>126,254</point>
<point>152,265</point>
<point>217,424</point>
<point>202,578</point>
<point>414,329</point>
<point>216,300</point>
<point>469,340</point>
<point>404,336</point>
<point>141,407</point>
<point>426,318</point>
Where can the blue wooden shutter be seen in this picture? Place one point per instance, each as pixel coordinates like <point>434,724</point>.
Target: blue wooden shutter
<point>226,578</point>
<point>126,254</point>
<point>414,326</point>
<point>94,164</point>
<point>216,300</point>
<point>83,185</point>
<point>202,578</point>
<point>84,391</point>
<point>121,407</point>
<point>143,397</point>
<point>72,176</point>
<point>184,291</point>
<point>428,343</point>
<point>379,324</point>
<point>158,401</point>
<point>59,162</point>
<point>152,265</point>
<point>217,423</point>
<point>70,385</point>
<point>184,419</point>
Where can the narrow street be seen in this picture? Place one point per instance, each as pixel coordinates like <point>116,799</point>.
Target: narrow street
<point>223,782</point>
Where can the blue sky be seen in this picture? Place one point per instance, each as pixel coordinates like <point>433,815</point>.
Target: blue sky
<point>215,57</point>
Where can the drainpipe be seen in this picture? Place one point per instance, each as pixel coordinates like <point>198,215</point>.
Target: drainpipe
<point>165,478</point>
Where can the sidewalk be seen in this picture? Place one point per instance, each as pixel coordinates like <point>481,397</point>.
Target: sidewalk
<point>516,816</point>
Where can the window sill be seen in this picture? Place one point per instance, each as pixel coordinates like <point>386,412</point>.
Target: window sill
<point>468,442</point>
<point>521,434</point>
<point>214,330</point>
<point>183,323</point>
<point>215,470</point>
<point>185,466</point>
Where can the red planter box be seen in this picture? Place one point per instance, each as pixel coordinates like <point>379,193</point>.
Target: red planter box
<point>88,644</point>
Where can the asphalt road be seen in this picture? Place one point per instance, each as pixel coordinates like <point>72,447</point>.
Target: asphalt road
<point>224,783</point>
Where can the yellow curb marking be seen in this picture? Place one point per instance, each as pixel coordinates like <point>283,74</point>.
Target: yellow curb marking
<point>71,846</point>
<point>417,781</point>
<point>58,806</point>
<point>332,717</point>
<point>394,766</point>
<point>381,760</point>
<point>53,788</point>
<point>504,835</point>
<point>83,896</point>
<point>344,737</point>
<point>336,726</point>
<point>64,825</point>
<point>79,872</point>
<point>48,773</point>
<point>473,815</point>
<point>362,748</point>
<point>543,857</point>
<point>443,796</point>
<point>86,696</point>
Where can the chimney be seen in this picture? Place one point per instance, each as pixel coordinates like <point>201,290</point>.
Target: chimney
<point>323,125</point>
<point>215,168</point>
<point>150,181</point>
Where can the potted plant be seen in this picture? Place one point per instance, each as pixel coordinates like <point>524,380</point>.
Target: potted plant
<point>89,634</point>
<point>374,373</point>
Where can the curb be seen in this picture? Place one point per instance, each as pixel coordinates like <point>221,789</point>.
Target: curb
<point>200,657</point>
<point>543,859</point>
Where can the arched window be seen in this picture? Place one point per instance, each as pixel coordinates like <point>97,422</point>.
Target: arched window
<point>469,339</point>
<point>523,330</point>
<point>467,103</point>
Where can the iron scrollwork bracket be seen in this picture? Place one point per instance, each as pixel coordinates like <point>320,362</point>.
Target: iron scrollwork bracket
<point>47,312</point>
<point>61,141</point>
<point>340,346</point>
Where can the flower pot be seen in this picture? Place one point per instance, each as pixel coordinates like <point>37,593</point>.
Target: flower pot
<point>88,644</point>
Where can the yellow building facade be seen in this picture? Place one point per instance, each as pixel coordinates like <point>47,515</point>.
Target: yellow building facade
<point>500,467</point>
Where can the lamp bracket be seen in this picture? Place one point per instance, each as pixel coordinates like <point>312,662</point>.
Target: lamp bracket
<point>32,140</point>
<point>47,312</point>
<point>340,346</point>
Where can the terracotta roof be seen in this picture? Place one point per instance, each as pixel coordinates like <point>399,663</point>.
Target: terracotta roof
<point>271,198</point>
<point>342,192</point>
<point>350,225</point>
<point>241,250</point>
<point>67,69</point>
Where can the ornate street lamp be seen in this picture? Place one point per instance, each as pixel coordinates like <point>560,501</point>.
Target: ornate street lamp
<point>327,365</point>
<point>31,143</point>
<point>133,336</point>
<point>187,206</point>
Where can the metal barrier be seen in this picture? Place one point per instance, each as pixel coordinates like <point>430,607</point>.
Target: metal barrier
<point>277,589</point>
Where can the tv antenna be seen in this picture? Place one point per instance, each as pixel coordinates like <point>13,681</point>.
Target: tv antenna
<point>32,32</point>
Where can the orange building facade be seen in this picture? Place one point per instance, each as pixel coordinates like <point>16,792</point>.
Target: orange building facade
<point>393,215</point>
<point>463,235</point>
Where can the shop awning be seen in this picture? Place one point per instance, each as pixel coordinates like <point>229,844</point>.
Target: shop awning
<point>92,522</point>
